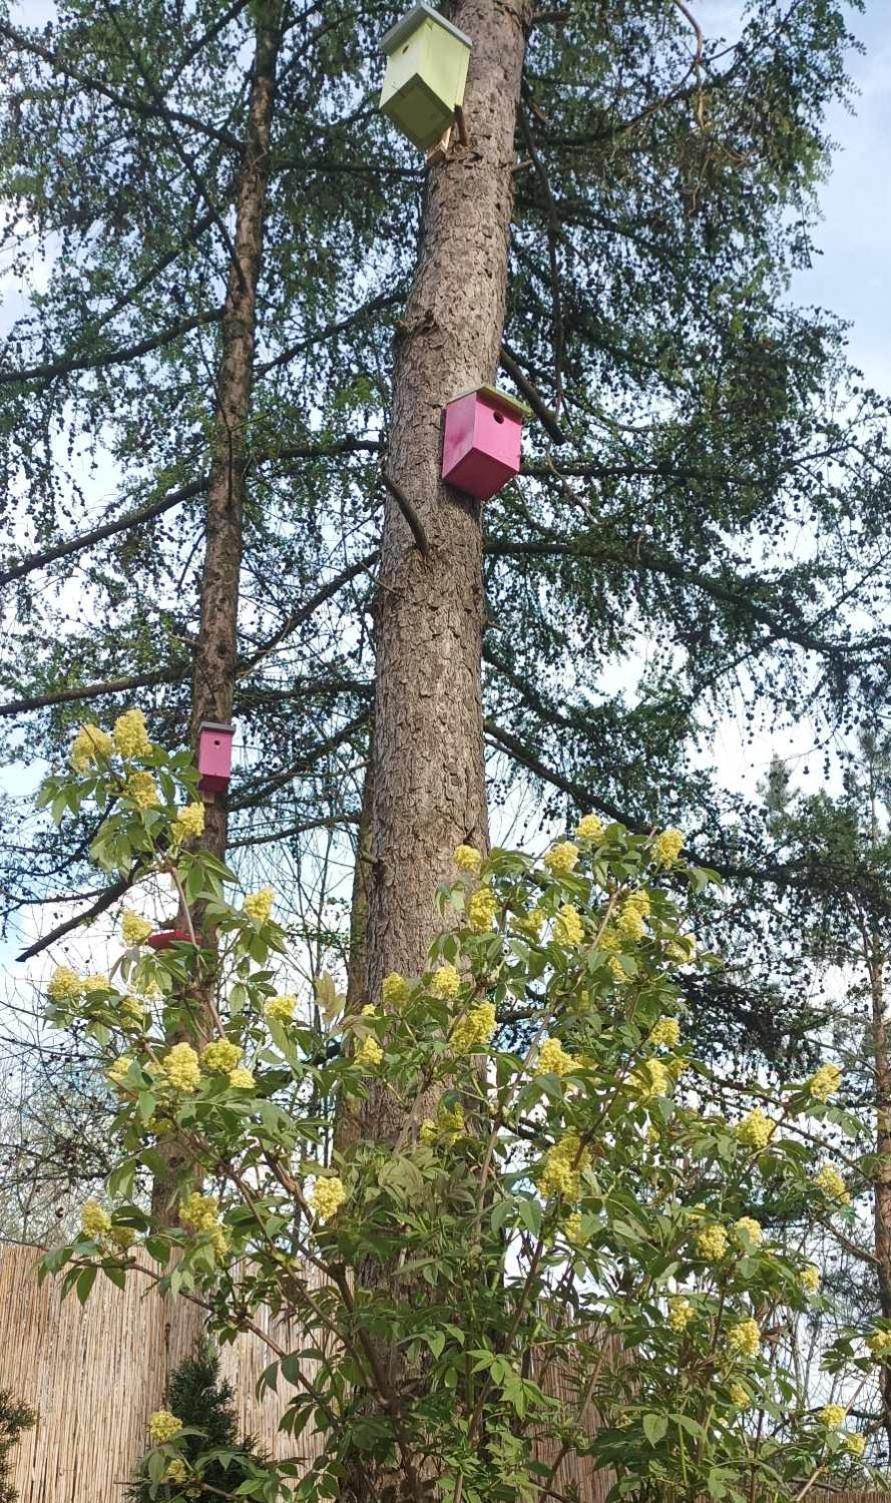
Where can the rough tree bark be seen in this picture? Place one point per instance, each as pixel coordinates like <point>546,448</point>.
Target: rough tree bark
<point>213,677</point>
<point>429,785</point>
<point>428,761</point>
<point>874,956</point>
<point>216,651</point>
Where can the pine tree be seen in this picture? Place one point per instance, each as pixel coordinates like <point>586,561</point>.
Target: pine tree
<point>198,1397</point>
<point>661,193</point>
<point>15,1418</point>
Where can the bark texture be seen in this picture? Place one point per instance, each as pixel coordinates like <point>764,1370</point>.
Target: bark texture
<point>429,785</point>
<point>882,1179</point>
<point>213,682</point>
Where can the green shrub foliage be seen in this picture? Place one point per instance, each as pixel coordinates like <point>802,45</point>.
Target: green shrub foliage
<point>15,1418</point>
<point>565,1188</point>
<point>210,1459</point>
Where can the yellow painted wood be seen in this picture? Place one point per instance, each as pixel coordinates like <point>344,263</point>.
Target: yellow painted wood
<point>427,62</point>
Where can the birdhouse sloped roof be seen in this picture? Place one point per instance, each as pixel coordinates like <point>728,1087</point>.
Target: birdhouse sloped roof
<point>410,22</point>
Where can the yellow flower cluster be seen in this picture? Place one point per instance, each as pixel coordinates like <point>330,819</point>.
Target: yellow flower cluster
<point>755,1130</point>
<point>177,1471</point>
<point>667,847</point>
<point>651,1079</point>
<point>635,910</point>
<point>564,1164</point>
<point>810,1278</point>
<point>132,1013</point>
<point>90,745</point>
<point>119,1070</point>
<point>221,1056</point>
<point>474,1030</point>
<point>855,1444</point>
<point>135,930</point>
<point>680,1314</point>
<point>163,1426</point>
<point>64,985</point>
<point>467,859</point>
<point>711,1242</point>
<point>241,1078</point>
<point>562,858</point>
<point>258,905</point>
<point>94,1221</point>
<point>740,1396</point>
<point>553,1059</point>
<point>825,1082</point>
<point>142,790</point>
<point>833,1416</point>
<point>482,910</point>
<point>572,1229</point>
<point>832,1185</point>
<point>280,1008</point>
<point>369,1053</point>
<point>744,1339</point>
<point>395,990</point>
<point>750,1230</point>
<point>201,1213</point>
<point>879,1343</point>
<point>447,1127</point>
<point>529,923</point>
<point>446,982</point>
<point>326,1197</point>
<point>189,824</point>
<point>589,827</point>
<point>98,982</point>
<point>181,1068</point>
<point>131,735</point>
<point>666,1032</point>
<point>568,926</point>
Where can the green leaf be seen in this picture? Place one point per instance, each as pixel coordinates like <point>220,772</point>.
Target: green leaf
<point>85,1281</point>
<point>655,1426</point>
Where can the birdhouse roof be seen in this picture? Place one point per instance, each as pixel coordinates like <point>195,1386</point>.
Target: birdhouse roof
<point>410,22</point>
<point>217,725</point>
<point>498,399</point>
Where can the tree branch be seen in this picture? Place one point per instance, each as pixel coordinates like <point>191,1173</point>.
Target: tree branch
<point>62,365</point>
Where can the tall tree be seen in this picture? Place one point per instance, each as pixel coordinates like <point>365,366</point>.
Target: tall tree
<point>663,184</point>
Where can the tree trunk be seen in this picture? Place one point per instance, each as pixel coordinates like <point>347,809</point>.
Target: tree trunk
<point>213,678</point>
<point>882,1178</point>
<point>213,682</point>
<point>428,763</point>
<point>428,746</point>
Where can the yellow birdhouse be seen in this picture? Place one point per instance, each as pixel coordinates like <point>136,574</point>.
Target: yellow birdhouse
<point>427,61</point>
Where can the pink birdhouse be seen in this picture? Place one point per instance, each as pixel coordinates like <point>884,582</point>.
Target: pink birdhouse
<point>214,756</point>
<point>481,444</point>
<point>164,938</point>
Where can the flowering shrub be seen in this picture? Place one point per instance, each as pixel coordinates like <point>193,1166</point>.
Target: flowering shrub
<point>569,1189</point>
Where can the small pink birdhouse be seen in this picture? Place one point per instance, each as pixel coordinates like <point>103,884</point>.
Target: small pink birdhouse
<point>164,938</point>
<point>481,444</point>
<point>214,756</point>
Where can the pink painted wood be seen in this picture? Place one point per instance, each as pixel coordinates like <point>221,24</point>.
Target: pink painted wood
<point>481,443</point>
<point>214,756</point>
<point>164,938</point>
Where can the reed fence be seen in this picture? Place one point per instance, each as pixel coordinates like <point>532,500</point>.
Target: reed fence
<point>95,1373</point>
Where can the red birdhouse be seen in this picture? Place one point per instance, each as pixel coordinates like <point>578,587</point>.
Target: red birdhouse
<point>164,938</point>
<point>481,442</point>
<point>214,756</point>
